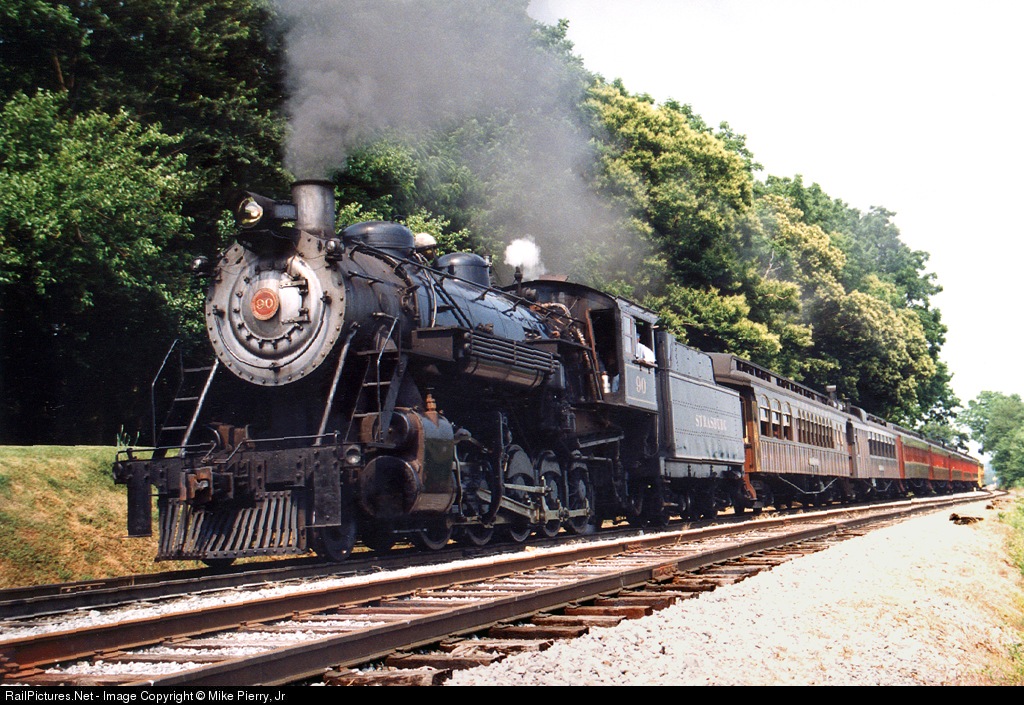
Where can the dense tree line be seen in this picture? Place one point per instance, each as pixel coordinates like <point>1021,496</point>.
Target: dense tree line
<point>996,421</point>
<point>123,124</point>
<point>127,124</point>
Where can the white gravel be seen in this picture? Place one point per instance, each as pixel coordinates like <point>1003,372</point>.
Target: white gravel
<point>925,602</point>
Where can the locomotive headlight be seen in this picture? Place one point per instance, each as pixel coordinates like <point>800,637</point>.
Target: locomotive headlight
<point>353,456</point>
<point>201,266</point>
<point>249,213</point>
<point>333,249</point>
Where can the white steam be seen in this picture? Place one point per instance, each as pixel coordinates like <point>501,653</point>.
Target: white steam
<point>524,253</point>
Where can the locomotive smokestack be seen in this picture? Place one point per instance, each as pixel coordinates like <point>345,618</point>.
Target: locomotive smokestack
<point>314,202</point>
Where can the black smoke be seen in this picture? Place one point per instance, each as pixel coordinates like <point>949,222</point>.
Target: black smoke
<point>357,69</point>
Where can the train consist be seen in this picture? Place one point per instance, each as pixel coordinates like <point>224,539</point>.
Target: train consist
<point>363,390</point>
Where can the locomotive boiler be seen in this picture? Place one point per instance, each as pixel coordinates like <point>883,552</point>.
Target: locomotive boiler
<point>362,390</point>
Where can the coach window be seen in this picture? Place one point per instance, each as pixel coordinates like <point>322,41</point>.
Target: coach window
<point>776,419</point>
<point>787,422</point>
<point>763,415</point>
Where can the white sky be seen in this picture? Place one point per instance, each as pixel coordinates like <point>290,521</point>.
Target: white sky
<point>911,105</point>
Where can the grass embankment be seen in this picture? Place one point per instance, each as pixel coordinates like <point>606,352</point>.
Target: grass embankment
<point>1014,519</point>
<point>63,519</point>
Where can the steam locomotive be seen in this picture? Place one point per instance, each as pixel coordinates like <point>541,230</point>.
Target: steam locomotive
<point>364,390</point>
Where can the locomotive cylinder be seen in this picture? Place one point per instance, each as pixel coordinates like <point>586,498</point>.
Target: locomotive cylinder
<point>415,477</point>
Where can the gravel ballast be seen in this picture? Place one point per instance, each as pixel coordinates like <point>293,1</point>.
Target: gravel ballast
<point>925,602</point>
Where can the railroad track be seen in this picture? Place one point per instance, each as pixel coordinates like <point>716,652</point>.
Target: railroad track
<point>517,601</point>
<point>61,598</point>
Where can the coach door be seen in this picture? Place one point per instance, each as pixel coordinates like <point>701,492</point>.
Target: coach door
<point>851,447</point>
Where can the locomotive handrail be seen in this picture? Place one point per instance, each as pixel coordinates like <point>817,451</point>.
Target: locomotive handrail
<point>248,444</point>
<point>251,443</point>
<point>129,453</point>
<point>448,297</point>
<point>152,386</point>
<point>201,401</point>
<point>334,384</point>
<point>387,406</point>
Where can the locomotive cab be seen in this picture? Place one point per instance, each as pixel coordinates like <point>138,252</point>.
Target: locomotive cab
<point>615,342</point>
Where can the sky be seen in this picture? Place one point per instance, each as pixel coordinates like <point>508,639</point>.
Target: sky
<point>910,105</point>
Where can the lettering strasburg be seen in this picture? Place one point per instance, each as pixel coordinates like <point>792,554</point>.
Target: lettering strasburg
<point>711,423</point>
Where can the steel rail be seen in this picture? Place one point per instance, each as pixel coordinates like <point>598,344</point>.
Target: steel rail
<point>20,655</point>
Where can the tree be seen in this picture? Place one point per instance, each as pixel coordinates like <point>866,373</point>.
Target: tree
<point>693,190</point>
<point>996,421</point>
<point>89,209</point>
<point>207,71</point>
<point>867,299</point>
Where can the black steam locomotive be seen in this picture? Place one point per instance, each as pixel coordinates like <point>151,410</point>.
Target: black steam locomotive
<point>363,390</point>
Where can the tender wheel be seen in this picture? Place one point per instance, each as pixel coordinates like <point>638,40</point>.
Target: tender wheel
<point>579,495</point>
<point>685,500</point>
<point>335,543</point>
<point>657,511</point>
<point>435,535</point>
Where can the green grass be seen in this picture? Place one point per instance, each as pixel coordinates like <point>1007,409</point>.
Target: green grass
<point>63,519</point>
<point>1013,519</point>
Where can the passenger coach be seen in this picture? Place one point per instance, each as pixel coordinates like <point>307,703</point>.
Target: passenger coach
<point>802,445</point>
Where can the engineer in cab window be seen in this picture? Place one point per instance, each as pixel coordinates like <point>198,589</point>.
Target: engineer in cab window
<point>644,355</point>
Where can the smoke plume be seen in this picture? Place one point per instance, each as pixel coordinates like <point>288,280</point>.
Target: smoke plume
<point>357,69</point>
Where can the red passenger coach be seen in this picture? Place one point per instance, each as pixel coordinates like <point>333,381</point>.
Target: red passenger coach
<point>929,467</point>
<point>967,472</point>
<point>807,447</point>
<point>940,467</point>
